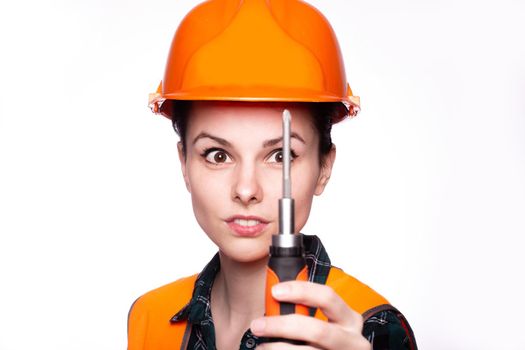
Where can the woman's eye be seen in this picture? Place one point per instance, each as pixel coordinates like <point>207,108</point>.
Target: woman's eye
<point>277,156</point>
<point>217,156</point>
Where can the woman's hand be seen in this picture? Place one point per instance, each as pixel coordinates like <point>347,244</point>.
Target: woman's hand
<point>342,331</point>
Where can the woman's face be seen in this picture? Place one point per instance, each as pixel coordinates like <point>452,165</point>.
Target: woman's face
<point>233,171</point>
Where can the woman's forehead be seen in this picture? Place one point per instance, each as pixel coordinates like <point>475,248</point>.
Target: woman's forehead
<point>261,117</point>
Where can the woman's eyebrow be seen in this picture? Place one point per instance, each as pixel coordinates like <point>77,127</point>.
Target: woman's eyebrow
<point>273,142</point>
<point>203,135</point>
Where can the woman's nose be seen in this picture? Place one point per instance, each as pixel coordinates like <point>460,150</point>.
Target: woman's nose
<point>247,188</point>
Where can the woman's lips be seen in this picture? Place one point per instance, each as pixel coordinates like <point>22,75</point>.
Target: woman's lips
<point>247,226</point>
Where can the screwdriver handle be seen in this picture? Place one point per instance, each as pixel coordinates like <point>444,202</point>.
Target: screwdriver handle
<point>285,264</point>
<point>282,269</point>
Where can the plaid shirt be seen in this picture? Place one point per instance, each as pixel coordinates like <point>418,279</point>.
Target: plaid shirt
<point>386,329</point>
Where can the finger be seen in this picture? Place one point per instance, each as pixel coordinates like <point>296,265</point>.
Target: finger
<point>321,296</point>
<point>284,346</point>
<point>315,332</point>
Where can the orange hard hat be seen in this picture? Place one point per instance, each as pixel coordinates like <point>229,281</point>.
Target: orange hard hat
<point>255,50</point>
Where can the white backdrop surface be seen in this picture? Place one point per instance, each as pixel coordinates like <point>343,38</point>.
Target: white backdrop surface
<point>426,203</point>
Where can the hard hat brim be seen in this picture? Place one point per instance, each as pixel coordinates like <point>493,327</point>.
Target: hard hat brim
<point>161,103</point>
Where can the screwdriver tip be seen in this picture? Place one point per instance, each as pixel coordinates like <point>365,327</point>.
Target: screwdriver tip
<point>287,117</point>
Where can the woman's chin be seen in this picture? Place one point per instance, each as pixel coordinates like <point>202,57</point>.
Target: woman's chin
<point>247,251</point>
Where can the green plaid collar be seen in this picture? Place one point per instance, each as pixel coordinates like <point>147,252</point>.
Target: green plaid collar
<point>198,310</point>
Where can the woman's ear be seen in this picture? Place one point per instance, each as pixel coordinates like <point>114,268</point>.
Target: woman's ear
<point>326,171</point>
<point>182,159</point>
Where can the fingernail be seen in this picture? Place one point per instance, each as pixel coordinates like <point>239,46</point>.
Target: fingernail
<point>257,326</point>
<point>280,290</point>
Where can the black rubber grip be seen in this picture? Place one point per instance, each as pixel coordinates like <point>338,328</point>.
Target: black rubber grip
<point>286,268</point>
<point>286,263</point>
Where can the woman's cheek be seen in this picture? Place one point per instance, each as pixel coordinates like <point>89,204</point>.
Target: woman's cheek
<point>207,192</point>
<point>302,212</point>
<point>303,188</point>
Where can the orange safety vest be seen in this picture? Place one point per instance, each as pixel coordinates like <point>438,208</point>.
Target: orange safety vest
<point>149,326</point>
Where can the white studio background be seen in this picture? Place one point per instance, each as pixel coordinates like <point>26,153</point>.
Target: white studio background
<point>426,204</point>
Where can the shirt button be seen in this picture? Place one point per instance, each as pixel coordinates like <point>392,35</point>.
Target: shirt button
<point>250,343</point>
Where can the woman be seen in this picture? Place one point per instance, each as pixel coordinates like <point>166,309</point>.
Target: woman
<point>234,67</point>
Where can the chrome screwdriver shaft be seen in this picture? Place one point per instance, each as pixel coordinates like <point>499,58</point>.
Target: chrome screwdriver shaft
<point>286,203</point>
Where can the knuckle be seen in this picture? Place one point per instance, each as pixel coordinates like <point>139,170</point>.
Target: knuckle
<point>364,344</point>
<point>301,289</point>
<point>288,324</point>
<point>358,322</point>
<point>272,323</point>
<point>333,297</point>
<point>296,288</point>
<point>330,297</point>
<point>358,318</point>
<point>320,332</point>
<point>298,291</point>
<point>359,342</point>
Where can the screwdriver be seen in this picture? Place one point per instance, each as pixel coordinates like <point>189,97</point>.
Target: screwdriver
<point>287,262</point>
